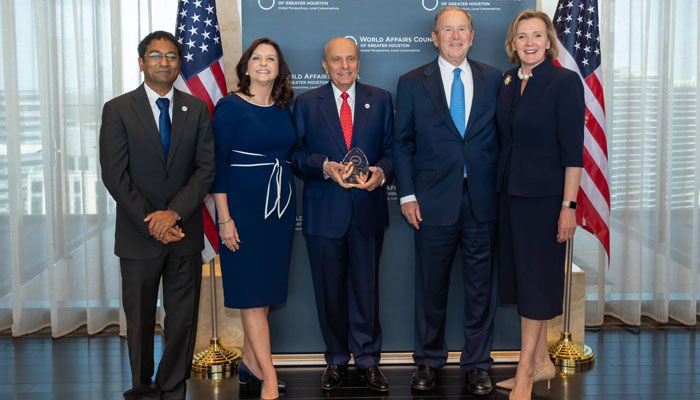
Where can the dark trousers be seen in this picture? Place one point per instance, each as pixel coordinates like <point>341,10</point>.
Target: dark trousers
<point>345,276</point>
<point>182,277</point>
<point>435,251</point>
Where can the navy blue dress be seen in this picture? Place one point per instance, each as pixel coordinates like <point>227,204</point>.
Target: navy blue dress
<point>540,134</point>
<point>252,147</point>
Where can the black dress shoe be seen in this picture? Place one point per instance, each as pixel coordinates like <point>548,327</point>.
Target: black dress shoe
<point>249,381</point>
<point>478,381</point>
<point>147,391</point>
<point>374,379</point>
<point>423,378</point>
<point>332,377</point>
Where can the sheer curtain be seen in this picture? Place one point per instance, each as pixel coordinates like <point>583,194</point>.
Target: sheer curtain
<point>650,60</point>
<point>61,61</point>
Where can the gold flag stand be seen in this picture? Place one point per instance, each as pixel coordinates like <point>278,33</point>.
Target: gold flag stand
<point>216,361</point>
<point>566,353</point>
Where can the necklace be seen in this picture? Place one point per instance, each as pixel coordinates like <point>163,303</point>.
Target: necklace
<point>523,77</point>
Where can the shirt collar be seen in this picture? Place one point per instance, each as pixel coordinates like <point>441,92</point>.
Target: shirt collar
<point>446,67</point>
<point>153,96</point>
<point>337,92</point>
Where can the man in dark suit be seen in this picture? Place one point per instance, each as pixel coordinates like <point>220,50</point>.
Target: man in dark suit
<point>445,155</point>
<point>343,224</point>
<point>158,172</point>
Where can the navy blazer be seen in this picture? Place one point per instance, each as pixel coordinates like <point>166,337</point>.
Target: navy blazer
<point>430,154</point>
<point>545,134</point>
<point>327,206</point>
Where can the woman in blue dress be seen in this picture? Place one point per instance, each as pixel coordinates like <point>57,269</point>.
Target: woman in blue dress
<point>255,201</point>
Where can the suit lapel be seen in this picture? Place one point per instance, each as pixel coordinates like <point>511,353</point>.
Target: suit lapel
<point>142,109</point>
<point>180,113</point>
<point>436,91</point>
<point>362,97</point>
<point>329,111</point>
<point>477,97</point>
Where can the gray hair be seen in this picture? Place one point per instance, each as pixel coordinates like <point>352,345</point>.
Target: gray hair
<point>452,8</point>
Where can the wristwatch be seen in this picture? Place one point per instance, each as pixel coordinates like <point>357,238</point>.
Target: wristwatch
<point>571,204</point>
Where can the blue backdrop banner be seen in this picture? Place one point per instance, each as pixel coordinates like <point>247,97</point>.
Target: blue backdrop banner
<point>393,37</point>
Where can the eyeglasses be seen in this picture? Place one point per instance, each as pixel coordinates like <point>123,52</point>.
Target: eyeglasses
<point>156,56</point>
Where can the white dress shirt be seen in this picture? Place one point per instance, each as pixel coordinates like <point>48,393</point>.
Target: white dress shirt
<point>339,100</point>
<point>152,97</point>
<point>447,74</point>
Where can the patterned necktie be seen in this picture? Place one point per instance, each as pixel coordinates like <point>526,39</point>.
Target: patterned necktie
<point>346,120</point>
<point>164,122</point>
<point>457,102</point>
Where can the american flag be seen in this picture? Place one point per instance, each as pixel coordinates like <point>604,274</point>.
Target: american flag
<point>576,22</point>
<point>202,75</point>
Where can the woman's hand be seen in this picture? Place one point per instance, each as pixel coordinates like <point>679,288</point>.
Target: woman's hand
<point>567,224</point>
<point>229,235</point>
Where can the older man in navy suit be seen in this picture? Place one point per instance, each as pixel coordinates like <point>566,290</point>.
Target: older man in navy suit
<point>343,223</point>
<point>445,153</point>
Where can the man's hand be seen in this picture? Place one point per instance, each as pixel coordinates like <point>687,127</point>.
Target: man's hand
<point>160,221</point>
<point>338,172</point>
<point>411,211</point>
<point>374,181</point>
<point>173,234</point>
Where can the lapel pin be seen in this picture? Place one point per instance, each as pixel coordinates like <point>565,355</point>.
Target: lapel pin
<point>367,106</point>
<point>184,108</point>
<point>507,80</point>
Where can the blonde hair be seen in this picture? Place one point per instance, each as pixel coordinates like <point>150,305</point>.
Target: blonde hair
<point>513,30</point>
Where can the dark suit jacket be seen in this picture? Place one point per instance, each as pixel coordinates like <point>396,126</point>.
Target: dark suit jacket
<point>429,152</point>
<point>546,133</point>
<point>141,180</point>
<point>327,206</point>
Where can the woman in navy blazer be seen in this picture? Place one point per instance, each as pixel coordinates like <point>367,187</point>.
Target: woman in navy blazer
<point>540,118</point>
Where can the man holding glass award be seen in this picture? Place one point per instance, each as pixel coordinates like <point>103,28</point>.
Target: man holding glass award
<point>343,153</point>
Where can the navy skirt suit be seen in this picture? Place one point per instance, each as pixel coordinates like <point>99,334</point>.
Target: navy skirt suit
<point>252,147</point>
<point>540,134</point>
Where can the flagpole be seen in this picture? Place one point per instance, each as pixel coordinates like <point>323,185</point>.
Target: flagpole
<point>566,353</point>
<point>216,361</point>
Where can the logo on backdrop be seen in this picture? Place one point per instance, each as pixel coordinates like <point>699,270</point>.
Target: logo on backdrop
<point>352,38</point>
<point>260,3</point>
<point>426,7</point>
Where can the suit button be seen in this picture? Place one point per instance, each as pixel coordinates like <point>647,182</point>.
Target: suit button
<point>464,142</point>
<point>167,176</point>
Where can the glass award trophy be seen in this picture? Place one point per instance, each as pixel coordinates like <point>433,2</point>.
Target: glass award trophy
<point>358,159</point>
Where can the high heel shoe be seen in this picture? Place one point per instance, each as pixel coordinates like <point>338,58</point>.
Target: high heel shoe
<point>545,374</point>
<point>248,379</point>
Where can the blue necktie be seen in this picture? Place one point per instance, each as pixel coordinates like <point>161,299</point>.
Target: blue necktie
<point>457,102</point>
<point>457,106</point>
<point>164,122</point>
